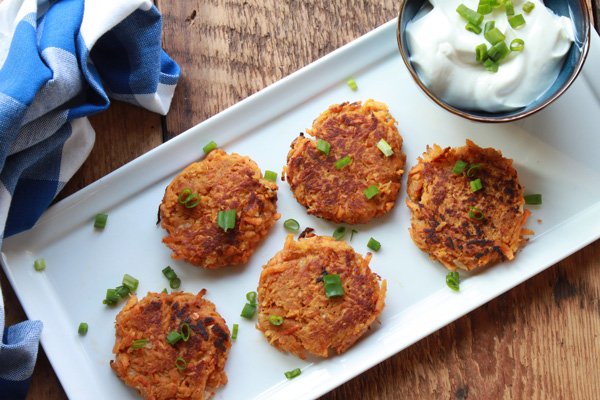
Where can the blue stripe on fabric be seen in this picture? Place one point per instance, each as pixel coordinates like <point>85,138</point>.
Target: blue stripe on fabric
<point>61,25</point>
<point>11,115</point>
<point>111,59</point>
<point>30,200</point>
<point>169,70</point>
<point>23,60</point>
<point>14,390</point>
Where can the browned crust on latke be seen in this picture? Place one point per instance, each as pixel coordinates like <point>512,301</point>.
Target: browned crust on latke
<point>223,182</point>
<point>151,370</point>
<point>352,129</point>
<point>291,287</point>
<point>440,201</point>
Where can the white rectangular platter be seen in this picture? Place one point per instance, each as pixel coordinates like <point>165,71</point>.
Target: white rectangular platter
<point>555,153</point>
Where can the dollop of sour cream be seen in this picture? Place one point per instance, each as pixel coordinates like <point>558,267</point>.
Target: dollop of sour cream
<point>442,52</point>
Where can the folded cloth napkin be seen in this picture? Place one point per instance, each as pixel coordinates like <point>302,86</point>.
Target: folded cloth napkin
<point>60,61</point>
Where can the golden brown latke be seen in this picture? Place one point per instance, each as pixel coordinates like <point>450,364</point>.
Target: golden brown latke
<point>151,370</point>
<point>291,287</point>
<point>222,182</point>
<point>440,202</point>
<point>352,129</point>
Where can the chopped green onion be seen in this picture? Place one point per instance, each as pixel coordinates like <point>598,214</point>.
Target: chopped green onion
<point>248,311</point>
<point>517,45</point>
<point>130,282</point>
<point>352,84</point>
<point>342,162</point>
<point>293,373</point>
<point>533,199</point>
<point>476,185</point>
<point>234,331</point>
<point>169,273</point>
<point>528,7</point>
<point>186,331</point>
<point>271,176</point>
<point>484,8</point>
<point>385,147</point>
<point>100,221</point>
<point>181,364</point>
<point>371,191</point>
<point>476,213</point>
<point>516,21</point>
<point>210,146</point>
<point>83,328</point>
<point>122,291</point>
<point>481,52</point>
<point>510,8</point>
<point>473,169</point>
<point>476,29</point>
<point>494,36</point>
<point>39,264</point>
<point>112,297</point>
<point>374,244</point>
<point>453,281</point>
<point>470,15</point>
<point>333,285</point>
<point>498,51</point>
<point>323,146</point>
<point>352,233</point>
<point>164,291</point>
<point>175,283</point>
<point>489,26</point>
<point>173,337</point>
<point>226,219</point>
<point>188,198</point>
<point>251,297</point>
<point>339,233</point>
<point>459,167</point>
<point>275,320</point>
<point>491,65</point>
<point>139,344</point>
<point>291,225</point>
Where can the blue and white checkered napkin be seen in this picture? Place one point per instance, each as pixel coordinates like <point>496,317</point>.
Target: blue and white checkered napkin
<point>60,61</point>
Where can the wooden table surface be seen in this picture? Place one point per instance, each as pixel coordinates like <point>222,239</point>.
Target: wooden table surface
<point>539,340</point>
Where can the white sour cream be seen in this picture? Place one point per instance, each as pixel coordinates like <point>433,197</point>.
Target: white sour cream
<point>442,52</point>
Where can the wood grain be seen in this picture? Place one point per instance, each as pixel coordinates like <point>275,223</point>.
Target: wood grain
<point>540,340</point>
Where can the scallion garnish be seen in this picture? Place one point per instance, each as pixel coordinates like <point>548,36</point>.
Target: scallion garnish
<point>489,26</point>
<point>494,36</point>
<point>112,297</point>
<point>352,233</point>
<point>516,21</point>
<point>459,167</point>
<point>275,320</point>
<point>226,219</point>
<point>83,328</point>
<point>122,291</point>
<point>469,15</point>
<point>248,311</point>
<point>509,7</point>
<point>130,282</point>
<point>175,283</point>
<point>251,297</point>
<point>271,176</point>
<point>528,7</point>
<point>373,244</point>
<point>333,285</point>
<point>164,291</point>
<point>339,233</point>
<point>342,162</point>
<point>385,147</point>
<point>185,331</point>
<point>476,29</point>
<point>234,331</point>
<point>293,373</point>
<point>476,213</point>
<point>371,191</point>
<point>181,364</point>
<point>476,185</point>
<point>481,52</point>
<point>484,8</point>
<point>139,344</point>
<point>291,225</point>
<point>188,199</point>
<point>498,51</point>
<point>210,146</point>
<point>453,281</point>
<point>490,65</point>
<point>473,169</point>
<point>39,264</point>
<point>173,337</point>
<point>352,84</point>
<point>533,199</point>
<point>323,146</point>
<point>517,44</point>
<point>100,221</point>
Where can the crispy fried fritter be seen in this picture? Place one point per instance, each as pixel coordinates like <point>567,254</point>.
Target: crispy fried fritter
<point>352,129</point>
<point>151,370</point>
<point>441,200</point>
<point>222,182</point>
<point>291,287</point>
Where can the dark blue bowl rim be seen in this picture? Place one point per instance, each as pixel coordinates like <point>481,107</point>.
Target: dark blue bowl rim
<point>587,15</point>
